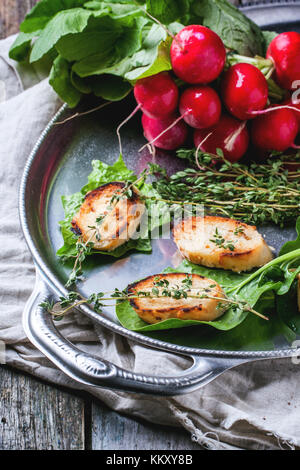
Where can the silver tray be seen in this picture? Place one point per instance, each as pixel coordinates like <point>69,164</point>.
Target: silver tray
<point>59,164</point>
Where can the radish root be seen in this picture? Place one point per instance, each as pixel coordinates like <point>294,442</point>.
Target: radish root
<point>84,113</point>
<point>136,109</point>
<point>164,131</point>
<point>198,148</point>
<point>269,110</point>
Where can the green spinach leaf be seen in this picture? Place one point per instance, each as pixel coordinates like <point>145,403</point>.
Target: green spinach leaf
<point>130,320</point>
<point>21,47</point>
<point>253,334</point>
<point>168,11</point>
<point>60,80</point>
<point>117,10</point>
<point>152,57</point>
<point>44,11</point>
<point>111,87</point>
<point>63,23</point>
<point>268,37</point>
<point>237,31</point>
<point>103,173</point>
<point>292,245</point>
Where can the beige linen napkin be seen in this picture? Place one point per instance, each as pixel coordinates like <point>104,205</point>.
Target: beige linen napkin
<point>255,406</point>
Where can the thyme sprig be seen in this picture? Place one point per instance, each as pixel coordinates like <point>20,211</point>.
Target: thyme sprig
<point>220,241</point>
<point>239,230</point>
<point>161,289</point>
<point>127,191</point>
<point>255,193</point>
<point>83,249</point>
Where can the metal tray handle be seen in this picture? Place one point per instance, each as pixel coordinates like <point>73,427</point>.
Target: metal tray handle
<point>90,370</point>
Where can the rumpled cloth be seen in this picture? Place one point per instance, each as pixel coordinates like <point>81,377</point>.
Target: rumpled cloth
<point>254,406</point>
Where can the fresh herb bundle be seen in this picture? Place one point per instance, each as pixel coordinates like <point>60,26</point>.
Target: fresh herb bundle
<point>254,193</point>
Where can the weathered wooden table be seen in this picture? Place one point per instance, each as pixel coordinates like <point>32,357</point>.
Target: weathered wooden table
<point>36,415</point>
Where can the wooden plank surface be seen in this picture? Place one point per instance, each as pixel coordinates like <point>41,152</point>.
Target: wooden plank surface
<point>111,431</point>
<point>12,12</point>
<point>36,416</point>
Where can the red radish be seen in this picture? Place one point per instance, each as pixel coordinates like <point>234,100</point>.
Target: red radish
<point>229,135</point>
<point>197,55</point>
<point>157,96</point>
<point>155,131</point>
<point>244,90</point>
<point>200,106</point>
<point>275,131</point>
<point>284,51</point>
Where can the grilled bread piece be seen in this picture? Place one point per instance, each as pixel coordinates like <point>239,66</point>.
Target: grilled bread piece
<point>121,218</point>
<point>153,310</point>
<point>221,243</point>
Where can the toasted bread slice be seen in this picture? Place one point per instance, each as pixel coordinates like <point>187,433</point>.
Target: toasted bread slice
<point>121,218</point>
<point>221,243</point>
<point>156,309</point>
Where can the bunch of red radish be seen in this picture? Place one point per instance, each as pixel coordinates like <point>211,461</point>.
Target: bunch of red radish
<point>198,58</point>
